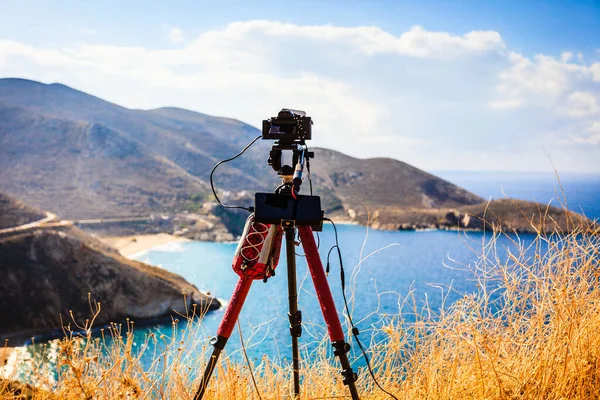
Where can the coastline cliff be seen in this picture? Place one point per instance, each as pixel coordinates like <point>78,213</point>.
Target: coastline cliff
<point>56,275</point>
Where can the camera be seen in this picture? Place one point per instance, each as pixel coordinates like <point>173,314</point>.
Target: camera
<point>288,126</point>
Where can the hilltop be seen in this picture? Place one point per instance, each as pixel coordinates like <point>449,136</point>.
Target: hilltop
<point>382,182</point>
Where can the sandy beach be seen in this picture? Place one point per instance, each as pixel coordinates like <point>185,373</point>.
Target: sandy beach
<point>129,245</point>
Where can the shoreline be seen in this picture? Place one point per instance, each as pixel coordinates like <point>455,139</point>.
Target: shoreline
<point>131,246</point>
<point>128,246</point>
<point>343,222</point>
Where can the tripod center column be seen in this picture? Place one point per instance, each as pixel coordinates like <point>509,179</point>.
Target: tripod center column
<point>295,316</point>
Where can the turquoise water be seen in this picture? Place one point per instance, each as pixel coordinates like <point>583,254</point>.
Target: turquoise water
<point>382,267</point>
<point>434,265</point>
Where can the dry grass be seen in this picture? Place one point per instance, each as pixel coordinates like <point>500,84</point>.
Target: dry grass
<point>531,332</point>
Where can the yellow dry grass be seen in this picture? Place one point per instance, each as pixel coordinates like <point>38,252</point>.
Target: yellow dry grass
<point>531,332</point>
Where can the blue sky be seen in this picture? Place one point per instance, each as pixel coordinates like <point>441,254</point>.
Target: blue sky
<point>467,85</point>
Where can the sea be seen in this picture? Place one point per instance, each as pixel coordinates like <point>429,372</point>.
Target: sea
<point>432,269</point>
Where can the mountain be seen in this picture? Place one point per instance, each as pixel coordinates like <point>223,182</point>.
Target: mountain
<point>382,183</point>
<point>71,153</point>
<point>82,169</point>
<point>193,141</point>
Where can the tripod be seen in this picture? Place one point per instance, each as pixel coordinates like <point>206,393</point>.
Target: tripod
<point>259,262</point>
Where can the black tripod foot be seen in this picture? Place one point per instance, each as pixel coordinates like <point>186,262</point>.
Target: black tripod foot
<point>219,343</point>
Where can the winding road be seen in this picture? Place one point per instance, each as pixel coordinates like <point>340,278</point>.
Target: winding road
<point>50,221</point>
<point>50,217</point>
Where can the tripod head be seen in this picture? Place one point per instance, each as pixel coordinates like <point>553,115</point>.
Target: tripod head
<point>286,207</point>
<point>300,154</point>
<point>290,128</point>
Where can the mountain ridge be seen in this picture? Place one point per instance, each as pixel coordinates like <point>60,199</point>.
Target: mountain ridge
<point>110,160</point>
<point>81,159</point>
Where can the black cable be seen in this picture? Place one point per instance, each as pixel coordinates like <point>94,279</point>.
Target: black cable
<point>311,188</point>
<point>328,254</point>
<point>311,193</point>
<point>212,186</point>
<point>355,331</point>
<point>309,177</point>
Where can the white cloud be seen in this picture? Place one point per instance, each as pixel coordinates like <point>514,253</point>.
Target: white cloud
<point>417,42</point>
<point>582,104</point>
<point>420,96</point>
<point>595,69</point>
<point>545,80</point>
<point>176,35</point>
<point>566,56</point>
<point>559,93</point>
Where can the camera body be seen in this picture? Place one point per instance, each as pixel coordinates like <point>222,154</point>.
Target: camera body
<point>288,126</point>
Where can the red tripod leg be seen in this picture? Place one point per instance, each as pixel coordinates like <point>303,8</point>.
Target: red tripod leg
<point>336,333</point>
<point>224,332</point>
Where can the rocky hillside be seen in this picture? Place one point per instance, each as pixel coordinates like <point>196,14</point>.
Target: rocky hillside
<point>520,216</point>
<point>49,268</point>
<point>374,183</point>
<point>46,274</point>
<point>81,170</point>
<point>13,212</point>
<point>81,157</point>
<point>508,215</point>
